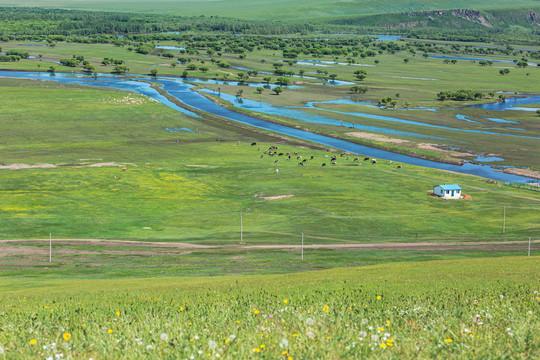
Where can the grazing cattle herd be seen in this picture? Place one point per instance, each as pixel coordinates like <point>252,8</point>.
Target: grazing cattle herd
<point>273,151</point>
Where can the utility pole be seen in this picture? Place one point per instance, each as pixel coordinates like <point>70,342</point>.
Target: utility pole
<point>50,247</point>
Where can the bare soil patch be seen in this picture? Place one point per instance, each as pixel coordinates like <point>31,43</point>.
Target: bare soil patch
<point>52,166</point>
<point>376,137</point>
<point>26,166</point>
<point>275,197</point>
<point>435,148</point>
<point>110,164</point>
<point>523,172</point>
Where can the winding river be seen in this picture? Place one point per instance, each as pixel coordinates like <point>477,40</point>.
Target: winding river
<point>181,91</point>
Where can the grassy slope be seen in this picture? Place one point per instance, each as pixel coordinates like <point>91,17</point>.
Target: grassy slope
<point>274,10</point>
<point>201,204</point>
<point>481,308</point>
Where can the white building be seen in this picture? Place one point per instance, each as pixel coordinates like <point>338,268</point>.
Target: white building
<point>452,191</point>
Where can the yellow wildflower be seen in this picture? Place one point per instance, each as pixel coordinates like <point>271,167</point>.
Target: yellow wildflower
<point>33,341</point>
<point>286,301</point>
<point>448,340</point>
<point>118,313</point>
<point>110,331</point>
<point>284,352</point>
<point>66,336</point>
<point>383,346</point>
<point>262,346</point>
<point>325,308</point>
<point>181,308</point>
<point>256,349</point>
<point>379,297</point>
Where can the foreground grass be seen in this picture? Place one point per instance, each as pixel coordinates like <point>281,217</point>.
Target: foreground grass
<point>465,308</point>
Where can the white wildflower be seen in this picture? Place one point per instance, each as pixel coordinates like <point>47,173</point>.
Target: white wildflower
<point>149,347</point>
<point>310,321</point>
<point>310,334</point>
<point>164,337</point>
<point>232,337</point>
<point>212,344</point>
<point>363,333</point>
<point>375,337</point>
<point>284,343</point>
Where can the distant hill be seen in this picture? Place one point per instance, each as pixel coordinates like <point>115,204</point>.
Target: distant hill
<point>276,10</point>
<point>461,22</point>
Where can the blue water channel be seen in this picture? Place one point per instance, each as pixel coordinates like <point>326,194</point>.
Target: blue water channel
<point>181,91</point>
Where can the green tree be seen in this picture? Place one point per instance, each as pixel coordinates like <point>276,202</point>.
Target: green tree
<point>153,72</point>
<point>282,81</point>
<point>260,89</point>
<point>277,90</point>
<point>120,69</point>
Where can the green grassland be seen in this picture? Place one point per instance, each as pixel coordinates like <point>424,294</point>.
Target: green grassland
<point>275,10</point>
<point>444,309</point>
<point>189,187</point>
<point>417,83</point>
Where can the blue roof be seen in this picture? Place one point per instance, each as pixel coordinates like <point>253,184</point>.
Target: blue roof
<point>450,187</point>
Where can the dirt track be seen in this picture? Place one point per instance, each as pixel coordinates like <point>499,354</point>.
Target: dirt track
<point>419,246</point>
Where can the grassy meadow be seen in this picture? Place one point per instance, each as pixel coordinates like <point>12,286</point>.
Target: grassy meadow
<point>413,85</point>
<point>445,309</point>
<point>275,10</point>
<point>186,186</point>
